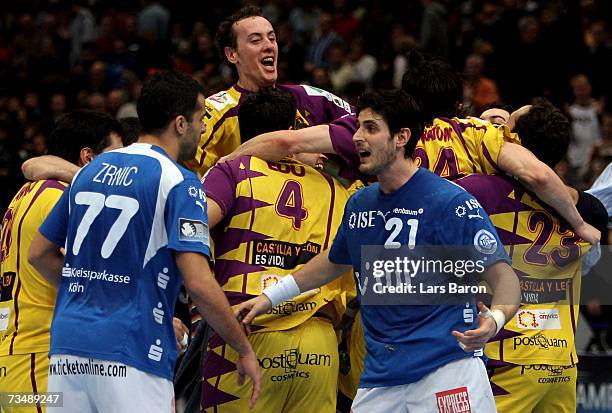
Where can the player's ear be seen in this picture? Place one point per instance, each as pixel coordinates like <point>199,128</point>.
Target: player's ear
<point>402,137</point>
<point>230,54</point>
<point>180,124</point>
<point>86,155</point>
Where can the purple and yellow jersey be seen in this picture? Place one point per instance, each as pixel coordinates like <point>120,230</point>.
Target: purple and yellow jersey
<point>26,298</point>
<point>277,216</point>
<point>222,135</point>
<point>546,255</point>
<point>454,147</point>
<point>448,147</point>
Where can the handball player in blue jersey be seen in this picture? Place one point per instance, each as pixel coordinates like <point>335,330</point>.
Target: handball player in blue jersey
<point>134,227</point>
<point>420,358</point>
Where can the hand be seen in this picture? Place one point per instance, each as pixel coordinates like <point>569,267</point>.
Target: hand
<point>588,233</point>
<point>249,366</point>
<point>248,310</point>
<point>180,330</point>
<point>476,339</point>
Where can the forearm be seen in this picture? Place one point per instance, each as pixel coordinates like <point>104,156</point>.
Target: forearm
<point>213,305</point>
<point>46,258</point>
<point>273,146</point>
<point>539,178</point>
<point>211,301</point>
<point>49,167</point>
<point>506,289</point>
<point>553,192</point>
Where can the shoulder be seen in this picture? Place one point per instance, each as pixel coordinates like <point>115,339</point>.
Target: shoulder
<point>221,102</point>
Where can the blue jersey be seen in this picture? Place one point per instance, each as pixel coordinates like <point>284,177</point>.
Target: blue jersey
<point>120,221</point>
<point>405,343</point>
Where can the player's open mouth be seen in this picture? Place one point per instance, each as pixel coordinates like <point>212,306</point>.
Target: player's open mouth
<point>268,61</point>
<point>363,155</point>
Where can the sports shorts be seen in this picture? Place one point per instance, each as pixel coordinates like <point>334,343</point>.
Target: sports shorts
<point>460,386</point>
<point>91,386</point>
<point>536,388</point>
<point>299,372</point>
<point>24,373</point>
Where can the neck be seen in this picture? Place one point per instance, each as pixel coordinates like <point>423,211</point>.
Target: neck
<point>396,175</point>
<point>249,84</point>
<point>163,141</point>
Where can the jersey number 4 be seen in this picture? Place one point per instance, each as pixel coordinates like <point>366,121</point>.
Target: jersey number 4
<point>96,202</point>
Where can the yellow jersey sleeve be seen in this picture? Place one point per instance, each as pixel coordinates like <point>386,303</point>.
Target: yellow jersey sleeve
<point>221,131</point>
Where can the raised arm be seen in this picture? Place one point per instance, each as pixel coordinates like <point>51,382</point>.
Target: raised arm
<point>274,146</point>
<point>317,272</point>
<point>544,182</point>
<point>49,167</point>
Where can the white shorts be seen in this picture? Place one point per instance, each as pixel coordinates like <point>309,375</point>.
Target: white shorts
<point>91,385</point>
<point>461,386</point>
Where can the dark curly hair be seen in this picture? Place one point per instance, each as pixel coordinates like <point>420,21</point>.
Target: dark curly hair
<point>268,110</point>
<point>398,109</point>
<point>545,131</point>
<point>436,86</point>
<point>225,36</point>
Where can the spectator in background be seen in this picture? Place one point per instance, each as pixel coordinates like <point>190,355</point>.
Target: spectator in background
<point>434,28</point>
<point>586,129</point>
<point>319,51</point>
<point>340,70</point>
<point>82,29</point>
<point>363,65</point>
<point>153,21</point>
<point>478,90</point>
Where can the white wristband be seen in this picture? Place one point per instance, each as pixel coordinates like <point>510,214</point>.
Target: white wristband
<point>500,319</point>
<point>285,289</point>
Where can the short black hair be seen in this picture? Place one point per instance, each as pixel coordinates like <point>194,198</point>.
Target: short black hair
<point>267,110</point>
<point>82,129</point>
<point>545,131</point>
<point>225,36</point>
<point>436,86</point>
<point>398,109</point>
<point>131,130</point>
<point>165,96</point>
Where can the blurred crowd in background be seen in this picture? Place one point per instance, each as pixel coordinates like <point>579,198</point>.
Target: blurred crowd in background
<point>58,55</point>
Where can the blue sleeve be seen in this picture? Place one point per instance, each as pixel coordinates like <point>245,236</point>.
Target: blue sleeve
<point>187,218</point>
<point>339,252</point>
<point>467,224</point>
<point>55,227</point>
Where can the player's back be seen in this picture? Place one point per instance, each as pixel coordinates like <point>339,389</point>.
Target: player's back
<point>26,298</point>
<point>546,255</point>
<point>455,147</point>
<point>278,215</point>
<point>120,281</point>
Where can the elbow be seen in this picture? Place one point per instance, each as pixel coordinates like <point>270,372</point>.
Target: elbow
<point>289,144</point>
<point>537,178</point>
<point>35,258</point>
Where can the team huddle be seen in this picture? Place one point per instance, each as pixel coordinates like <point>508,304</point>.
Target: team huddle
<point>263,201</point>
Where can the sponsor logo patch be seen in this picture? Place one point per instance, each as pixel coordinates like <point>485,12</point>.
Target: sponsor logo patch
<point>453,401</point>
<point>545,319</point>
<point>5,314</point>
<point>193,231</point>
<point>485,242</point>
